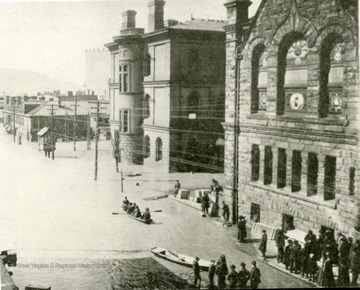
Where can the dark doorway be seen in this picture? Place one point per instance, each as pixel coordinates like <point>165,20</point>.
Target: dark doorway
<point>255,213</point>
<point>288,223</point>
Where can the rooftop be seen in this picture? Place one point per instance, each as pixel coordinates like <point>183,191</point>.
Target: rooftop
<point>201,24</point>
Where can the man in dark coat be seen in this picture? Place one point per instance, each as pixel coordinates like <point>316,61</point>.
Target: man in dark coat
<point>212,274</point>
<point>343,277</point>
<point>233,277</point>
<point>294,257</point>
<point>205,203</point>
<point>328,279</point>
<point>311,238</point>
<point>221,271</point>
<point>286,259</point>
<point>242,229</point>
<point>225,212</point>
<point>196,269</point>
<point>280,244</point>
<point>244,276</point>
<point>147,216</point>
<point>355,263</point>
<point>177,188</point>
<point>255,276</point>
<point>304,256</point>
<point>263,244</point>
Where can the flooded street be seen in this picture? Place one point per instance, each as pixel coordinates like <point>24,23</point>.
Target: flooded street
<point>52,211</point>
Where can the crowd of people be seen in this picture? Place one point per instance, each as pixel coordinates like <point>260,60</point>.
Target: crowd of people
<point>228,279</point>
<point>134,210</point>
<point>315,259</point>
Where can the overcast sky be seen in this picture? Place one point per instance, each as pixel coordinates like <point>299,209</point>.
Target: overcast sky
<point>51,37</point>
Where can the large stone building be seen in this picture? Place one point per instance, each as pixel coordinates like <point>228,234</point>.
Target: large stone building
<point>167,92</point>
<point>292,114</point>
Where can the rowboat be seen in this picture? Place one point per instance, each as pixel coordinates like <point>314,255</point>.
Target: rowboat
<point>180,259</point>
<point>148,222</point>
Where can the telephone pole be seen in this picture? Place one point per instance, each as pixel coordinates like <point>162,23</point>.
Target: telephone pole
<point>98,104</point>
<point>52,133</point>
<point>14,129</point>
<point>88,137</point>
<point>76,105</point>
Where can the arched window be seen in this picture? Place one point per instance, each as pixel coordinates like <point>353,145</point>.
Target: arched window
<point>146,146</point>
<point>292,56</point>
<point>146,106</point>
<point>258,82</point>
<point>193,103</point>
<point>147,65</point>
<point>158,149</point>
<point>331,75</point>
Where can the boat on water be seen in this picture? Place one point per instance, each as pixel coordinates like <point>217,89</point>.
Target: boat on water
<point>184,260</point>
<point>148,222</point>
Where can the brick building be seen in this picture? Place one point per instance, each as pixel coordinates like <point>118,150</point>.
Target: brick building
<point>292,114</point>
<point>167,92</point>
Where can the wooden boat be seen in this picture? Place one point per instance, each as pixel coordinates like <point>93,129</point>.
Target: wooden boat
<point>148,222</point>
<point>172,256</point>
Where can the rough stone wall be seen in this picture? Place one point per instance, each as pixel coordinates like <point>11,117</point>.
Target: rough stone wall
<point>335,136</point>
<point>131,148</point>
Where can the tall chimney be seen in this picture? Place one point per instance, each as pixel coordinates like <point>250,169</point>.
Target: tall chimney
<point>156,15</point>
<point>128,19</point>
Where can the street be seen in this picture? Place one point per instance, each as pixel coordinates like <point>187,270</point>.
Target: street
<point>52,211</point>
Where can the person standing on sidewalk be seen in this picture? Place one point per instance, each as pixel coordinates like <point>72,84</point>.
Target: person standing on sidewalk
<point>280,244</point>
<point>225,212</point>
<point>212,275</point>
<point>221,271</point>
<point>242,229</point>
<point>196,269</point>
<point>244,276</point>
<point>255,276</point>
<point>263,244</point>
<point>233,277</point>
<point>177,188</point>
<point>286,259</point>
<point>355,263</point>
<point>205,203</point>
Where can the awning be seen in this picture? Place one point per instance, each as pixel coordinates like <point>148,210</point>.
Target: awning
<point>42,131</point>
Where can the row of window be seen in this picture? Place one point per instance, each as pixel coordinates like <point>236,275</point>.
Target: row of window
<point>292,75</point>
<point>193,104</point>
<point>158,149</point>
<point>296,171</point>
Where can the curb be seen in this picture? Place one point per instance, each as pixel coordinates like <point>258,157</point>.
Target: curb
<point>257,257</point>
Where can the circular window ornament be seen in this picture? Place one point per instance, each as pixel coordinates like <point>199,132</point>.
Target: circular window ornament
<point>296,102</point>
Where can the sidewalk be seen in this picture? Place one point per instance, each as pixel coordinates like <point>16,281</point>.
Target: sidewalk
<point>251,245</point>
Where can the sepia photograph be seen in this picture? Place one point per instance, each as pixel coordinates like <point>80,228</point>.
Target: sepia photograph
<point>179,144</point>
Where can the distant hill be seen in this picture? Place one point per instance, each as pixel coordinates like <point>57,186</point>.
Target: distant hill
<point>19,82</point>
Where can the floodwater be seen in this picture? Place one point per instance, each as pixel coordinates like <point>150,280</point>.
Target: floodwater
<point>54,212</point>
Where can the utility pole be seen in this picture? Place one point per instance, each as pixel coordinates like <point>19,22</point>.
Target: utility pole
<point>65,126</point>
<point>122,181</point>
<point>98,103</point>
<point>88,137</point>
<point>14,129</point>
<point>52,133</point>
<point>75,122</point>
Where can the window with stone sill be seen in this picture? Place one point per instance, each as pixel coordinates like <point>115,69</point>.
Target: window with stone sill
<point>159,150</point>
<point>147,65</point>
<point>331,75</point>
<point>296,171</point>
<point>124,121</point>
<point>146,106</point>
<point>124,79</point>
<point>352,181</point>
<point>292,74</point>
<point>258,79</point>
<point>146,146</point>
<point>255,163</point>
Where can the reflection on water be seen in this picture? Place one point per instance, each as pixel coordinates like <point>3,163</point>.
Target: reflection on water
<point>83,274</point>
